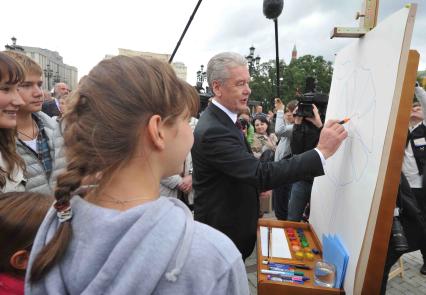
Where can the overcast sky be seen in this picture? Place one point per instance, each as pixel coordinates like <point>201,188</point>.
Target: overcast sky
<point>83,32</point>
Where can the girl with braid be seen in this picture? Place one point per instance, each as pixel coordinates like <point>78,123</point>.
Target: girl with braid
<point>109,231</point>
<point>11,165</point>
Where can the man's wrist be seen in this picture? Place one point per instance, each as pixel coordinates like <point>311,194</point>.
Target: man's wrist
<point>323,154</point>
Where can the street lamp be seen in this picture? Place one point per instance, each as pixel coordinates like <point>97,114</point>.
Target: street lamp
<point>253,62</point>
<point>48,72</point>
<point>201,77</point>
<point>56,77</point>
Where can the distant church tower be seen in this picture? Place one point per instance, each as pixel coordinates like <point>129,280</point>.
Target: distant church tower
<point>294,53</point>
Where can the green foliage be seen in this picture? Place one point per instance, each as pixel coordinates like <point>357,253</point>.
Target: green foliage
<point>263,84</point>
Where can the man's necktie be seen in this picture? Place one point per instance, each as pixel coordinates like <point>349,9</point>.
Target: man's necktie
<point>240,128</point>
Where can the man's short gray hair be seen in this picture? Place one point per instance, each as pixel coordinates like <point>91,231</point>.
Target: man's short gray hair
<point>219,65</point>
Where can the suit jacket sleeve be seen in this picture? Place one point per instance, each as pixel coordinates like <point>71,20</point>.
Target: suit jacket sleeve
<point>222,149</point>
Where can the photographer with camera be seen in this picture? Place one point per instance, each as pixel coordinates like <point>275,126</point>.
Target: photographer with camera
<point>306,132</point>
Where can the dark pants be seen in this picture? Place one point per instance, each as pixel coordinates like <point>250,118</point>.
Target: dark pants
<point>420,194</point>
<point>300,197</point>
<point>414,237</point>
<point>391,258</point>
<point>280,198</point>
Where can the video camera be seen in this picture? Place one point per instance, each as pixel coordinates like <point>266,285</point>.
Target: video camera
<point>304,107</point>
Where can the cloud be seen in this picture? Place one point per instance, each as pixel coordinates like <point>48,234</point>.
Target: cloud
<point>83,32</point>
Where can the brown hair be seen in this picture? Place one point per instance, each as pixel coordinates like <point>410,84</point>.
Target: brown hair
<point>245,111</point>
<point>11,73</point>
<point>262,119</point>
<point>28,64</point>
<point>291,105</point>
<point>20,217</point>
<point>102,127</point>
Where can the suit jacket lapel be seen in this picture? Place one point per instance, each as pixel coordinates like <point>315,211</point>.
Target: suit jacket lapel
<point>224,119</point>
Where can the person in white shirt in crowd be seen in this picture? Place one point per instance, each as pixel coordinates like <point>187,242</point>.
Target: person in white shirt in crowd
<point>284,131</point>
<point>414,163</point>
<point>180,185</point>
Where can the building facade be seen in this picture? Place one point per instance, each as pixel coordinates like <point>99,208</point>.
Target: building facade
<point>179,67</point>
<point>54,69</point>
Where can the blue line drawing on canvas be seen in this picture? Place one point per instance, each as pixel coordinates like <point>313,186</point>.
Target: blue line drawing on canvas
<point>358,102</point>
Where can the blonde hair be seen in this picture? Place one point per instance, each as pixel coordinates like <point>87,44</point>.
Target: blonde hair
<point>28,64</point>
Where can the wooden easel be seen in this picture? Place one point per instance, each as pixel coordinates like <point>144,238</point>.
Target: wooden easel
<point>372,261</point>
<point>367,21</point>
<point>397,271</point>
<point>376,257</point>
<point>380,231</point>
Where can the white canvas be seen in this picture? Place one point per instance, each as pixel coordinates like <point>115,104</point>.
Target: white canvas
<point>364,85</point>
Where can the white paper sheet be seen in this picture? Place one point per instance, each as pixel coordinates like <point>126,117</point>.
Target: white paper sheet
<point>279,247</point>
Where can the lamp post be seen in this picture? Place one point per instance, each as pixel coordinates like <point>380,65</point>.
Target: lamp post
<point>56,77</point>
<point>48,72</point>
<point>201,77</point>
<point>253,62</point>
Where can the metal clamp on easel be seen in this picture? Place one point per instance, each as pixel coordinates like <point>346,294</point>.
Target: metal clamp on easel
<point>367,21</point>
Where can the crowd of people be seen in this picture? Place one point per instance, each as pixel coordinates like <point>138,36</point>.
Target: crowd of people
<point>121,187</point>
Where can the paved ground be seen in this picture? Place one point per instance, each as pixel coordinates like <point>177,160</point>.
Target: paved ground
<point>412,283</point>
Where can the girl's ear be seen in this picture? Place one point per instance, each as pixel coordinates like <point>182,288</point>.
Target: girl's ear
<point>155,132</point>
<point>19,259</point>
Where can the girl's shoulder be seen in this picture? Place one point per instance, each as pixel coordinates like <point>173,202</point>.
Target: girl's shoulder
<point>214,242</point>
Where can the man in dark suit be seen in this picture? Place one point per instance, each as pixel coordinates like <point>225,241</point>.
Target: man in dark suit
<point>227,178</point>
<point>52,107</point>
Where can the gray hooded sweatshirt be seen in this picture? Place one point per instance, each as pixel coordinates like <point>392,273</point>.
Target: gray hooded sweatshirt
<point>155,248</point>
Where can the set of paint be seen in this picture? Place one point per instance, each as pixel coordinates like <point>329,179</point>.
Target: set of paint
<point>299,244</point>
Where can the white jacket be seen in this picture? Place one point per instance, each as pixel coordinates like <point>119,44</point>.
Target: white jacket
<point>38,181</point>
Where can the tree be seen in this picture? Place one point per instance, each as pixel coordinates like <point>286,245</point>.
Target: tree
<point>263,83</point>
<point>292,80</point>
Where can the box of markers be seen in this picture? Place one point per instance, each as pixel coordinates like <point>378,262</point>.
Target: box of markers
<point>286,255</point>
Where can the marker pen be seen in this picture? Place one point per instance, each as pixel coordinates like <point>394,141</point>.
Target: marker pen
<point>287,271</point>
<point>288,265</point>
<point>284,279</point>
<point>284,275</point>
<point>345,120</point>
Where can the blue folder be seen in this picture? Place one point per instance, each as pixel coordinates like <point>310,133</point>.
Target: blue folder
<point>335,252</point>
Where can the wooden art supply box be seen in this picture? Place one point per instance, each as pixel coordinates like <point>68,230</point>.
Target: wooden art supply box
<point>268,287</point>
